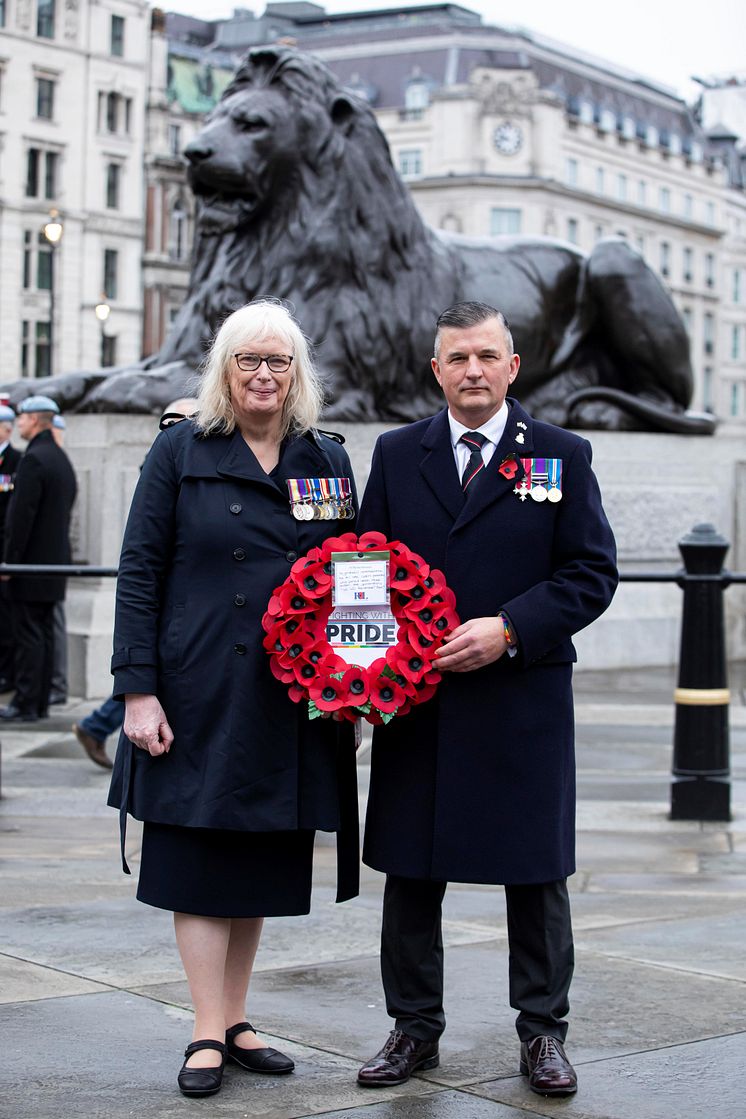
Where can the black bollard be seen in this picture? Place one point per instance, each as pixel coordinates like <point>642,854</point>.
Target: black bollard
<point>701,787</point>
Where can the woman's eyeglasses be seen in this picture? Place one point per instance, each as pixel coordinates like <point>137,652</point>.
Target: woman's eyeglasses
<point>276,363</point>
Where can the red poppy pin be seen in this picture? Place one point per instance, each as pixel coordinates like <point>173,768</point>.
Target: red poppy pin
<point>508,468</point>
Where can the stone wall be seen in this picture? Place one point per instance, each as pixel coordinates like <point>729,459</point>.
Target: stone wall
<point>655,487</point>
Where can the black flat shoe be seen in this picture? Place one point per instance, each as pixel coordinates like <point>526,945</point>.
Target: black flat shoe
<point>202,1081</point>
<point>256,1060</point>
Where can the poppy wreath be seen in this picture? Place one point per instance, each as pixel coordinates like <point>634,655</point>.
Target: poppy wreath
<point>301,657</point>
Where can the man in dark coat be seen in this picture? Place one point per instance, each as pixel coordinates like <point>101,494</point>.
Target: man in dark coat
<point>9,459</point>
<point>37,531</point>
<point>478,784</point>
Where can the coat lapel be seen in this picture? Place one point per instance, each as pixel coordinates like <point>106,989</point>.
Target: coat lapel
<point>492,485</point>
<point>301,457</point>
<point>438,466</point>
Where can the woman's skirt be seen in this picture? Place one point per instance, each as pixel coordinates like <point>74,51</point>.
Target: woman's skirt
<point>213,873</point>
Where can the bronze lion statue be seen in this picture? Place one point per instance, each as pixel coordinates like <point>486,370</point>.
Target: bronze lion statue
<point>297,199</point>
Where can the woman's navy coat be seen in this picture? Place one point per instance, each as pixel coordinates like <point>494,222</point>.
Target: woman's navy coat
<point>478,784</point>
<point>209,537</point>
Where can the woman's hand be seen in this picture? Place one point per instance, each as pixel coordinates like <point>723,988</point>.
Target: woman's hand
<point>146,725</point>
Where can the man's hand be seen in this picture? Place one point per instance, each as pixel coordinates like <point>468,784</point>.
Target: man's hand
<point>145,724</point>
<point>474,644</point>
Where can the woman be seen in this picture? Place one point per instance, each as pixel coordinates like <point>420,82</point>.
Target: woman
<point>229,776</point>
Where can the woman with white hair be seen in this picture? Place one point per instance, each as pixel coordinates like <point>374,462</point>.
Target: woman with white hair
<point>230,777</point>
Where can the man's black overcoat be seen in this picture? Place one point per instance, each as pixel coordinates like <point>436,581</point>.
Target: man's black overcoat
<point>478,784</point>
<point>37,527</point>
<point>208,538</point>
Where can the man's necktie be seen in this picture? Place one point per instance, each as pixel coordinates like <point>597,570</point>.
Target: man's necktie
<point>474,440</point>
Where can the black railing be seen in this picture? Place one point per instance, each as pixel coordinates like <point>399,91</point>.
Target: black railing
<point>700,789</point>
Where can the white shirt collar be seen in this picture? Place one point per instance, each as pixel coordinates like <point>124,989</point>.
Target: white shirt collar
<point>3,446</point>
<point>492,430</point>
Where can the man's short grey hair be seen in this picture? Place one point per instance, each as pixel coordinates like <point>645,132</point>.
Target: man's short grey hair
<point>464,315</point>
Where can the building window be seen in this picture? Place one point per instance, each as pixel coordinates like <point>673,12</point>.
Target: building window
<point>664,200</point>
<point>45,19</point>
<point>736,285</point>
<point>43,264</point>
<point>572,230</point>
<point>572,172</point>
<point>708,332</point>
<point>621,188</point>
<point>42,356</point>
<point>113,180</point>
<point>410,163</point>
<point>111,263</point>
<point>735,398</point>
<point>599,180</point>
<point>688,206</point>
<point>2,13</point>
<point>117,36</point>
<point>503,220</point>
<point>177,248</point>
<point>735,343</point>
<point>642,193</point>
<point>651,136</point>
<point>174,139</point>
<point>640,243</point>
<point>710,213</point>
<point>710,270</point>
<point>41,174</point>
<point>628,128</point>
<point>688,265</point>
<point>416,98</point>
<point>109,350</point>
<point>707,388</point>
<point>665,258</point>
<point>44,98</point>
<point>27,235</point>
<point>586,112</point>
<point>686,315</point>
<point>115,111</point>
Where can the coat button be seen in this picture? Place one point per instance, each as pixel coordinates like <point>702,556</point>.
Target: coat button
<point>239,554</point>
<point>235,507</point>
<point>240,600</point>
<point>240,648</point>
<point>291,557</point>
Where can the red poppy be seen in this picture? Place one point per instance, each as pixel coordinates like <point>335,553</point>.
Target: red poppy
<point>296,693</point>
<point>406,573</point>
<point>357,686</point>
<point>424,643</point>
<point>312,577</point>
<point>328,694</point>
<point>280,673</point>
<point>345,543</point>
<point>372,542</point>
<point>293,602</point>
<point>274,606</point>
<point>408,662</point>
<point>508,467</point>
<point>386,694</point>
<point>314,664</point>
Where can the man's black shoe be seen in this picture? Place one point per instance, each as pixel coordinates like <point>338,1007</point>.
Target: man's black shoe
<point>13,714</point>
<point>545,1063</point>
<point>400,1057</point>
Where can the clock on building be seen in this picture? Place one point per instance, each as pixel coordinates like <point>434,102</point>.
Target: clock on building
<point>507,138</point>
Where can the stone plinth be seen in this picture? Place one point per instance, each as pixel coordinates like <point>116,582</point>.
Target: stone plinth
<point>655,487</point>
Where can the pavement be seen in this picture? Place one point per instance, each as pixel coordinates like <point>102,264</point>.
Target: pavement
<point>95,1013</point>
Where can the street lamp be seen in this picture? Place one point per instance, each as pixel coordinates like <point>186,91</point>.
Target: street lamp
<point>103,310</point>
<point>52,231</point>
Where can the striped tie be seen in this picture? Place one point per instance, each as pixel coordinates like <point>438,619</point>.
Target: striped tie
<point>474,441</point>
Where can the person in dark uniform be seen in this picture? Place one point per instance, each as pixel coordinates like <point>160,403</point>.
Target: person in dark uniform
<point>9,459</point>
<point>37,530</point>
<point>478,785</point>
<point>229,775</point>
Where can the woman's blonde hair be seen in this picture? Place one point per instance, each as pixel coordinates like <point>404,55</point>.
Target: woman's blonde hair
<point>258,320</point>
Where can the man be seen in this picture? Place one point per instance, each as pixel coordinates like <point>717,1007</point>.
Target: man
<point>478,784</point>
<point>37,532</point>
<point>92,731</point>
<point>9,459</point>
<point>58,685</point>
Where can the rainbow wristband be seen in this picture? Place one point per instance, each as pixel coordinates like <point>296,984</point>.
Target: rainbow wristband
<point>508,630</point>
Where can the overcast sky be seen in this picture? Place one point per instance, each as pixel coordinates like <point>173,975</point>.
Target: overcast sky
<point>666,40</point>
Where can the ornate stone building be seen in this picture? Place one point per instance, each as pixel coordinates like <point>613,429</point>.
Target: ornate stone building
<point>501,131</point>
<point>73,81</point>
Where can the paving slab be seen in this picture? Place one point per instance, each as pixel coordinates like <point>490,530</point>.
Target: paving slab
<point>681,1082</point>
<point>443,1105</point>
<point>618,1006</point>
<point>21,981</point>
<point>122,1058</point>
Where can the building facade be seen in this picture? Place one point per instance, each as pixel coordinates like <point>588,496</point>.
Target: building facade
<point>73,83</point>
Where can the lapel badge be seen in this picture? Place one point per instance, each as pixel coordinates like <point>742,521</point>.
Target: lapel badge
<point>520,437</point>
<point>520,423</point>
<point>508,467</point>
